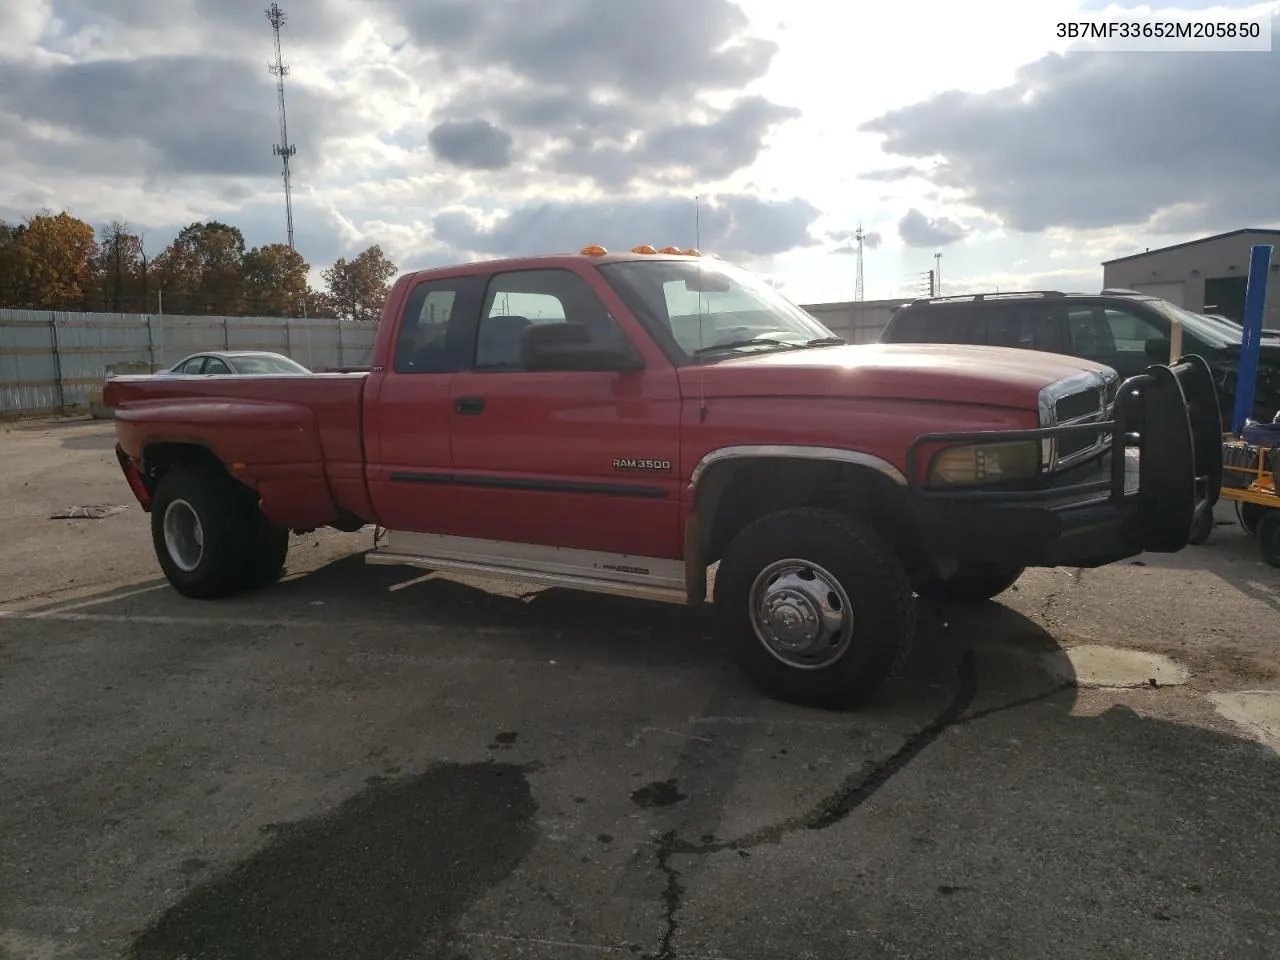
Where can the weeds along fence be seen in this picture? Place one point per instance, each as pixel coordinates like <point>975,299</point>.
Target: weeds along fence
<point>51,361</point>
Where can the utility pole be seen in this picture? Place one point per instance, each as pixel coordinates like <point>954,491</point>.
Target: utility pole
<point>933,288</point>
<point>284,149</point>
<point>937,262</point>
<point>858,284</point>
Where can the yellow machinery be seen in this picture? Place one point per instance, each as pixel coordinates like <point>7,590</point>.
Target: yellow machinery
<point>1249,479</point>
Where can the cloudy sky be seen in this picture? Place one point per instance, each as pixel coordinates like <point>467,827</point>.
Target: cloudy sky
<point>458,129</point>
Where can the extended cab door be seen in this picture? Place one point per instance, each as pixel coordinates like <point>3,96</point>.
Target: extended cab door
<point>583,459</point>
<point>407,416</point>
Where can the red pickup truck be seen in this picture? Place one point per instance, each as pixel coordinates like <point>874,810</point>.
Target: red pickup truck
<point>623,422</point>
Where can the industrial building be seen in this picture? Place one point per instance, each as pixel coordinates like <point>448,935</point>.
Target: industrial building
<point>1205,276</point>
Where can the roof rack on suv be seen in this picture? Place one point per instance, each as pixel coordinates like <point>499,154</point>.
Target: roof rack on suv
<point>979,297</point>
<point>1125,292</point>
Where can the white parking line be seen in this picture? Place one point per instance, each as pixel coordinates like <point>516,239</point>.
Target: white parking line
<point>309,623</point>
<point>97,601</point>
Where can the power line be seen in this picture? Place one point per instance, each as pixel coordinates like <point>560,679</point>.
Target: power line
<point>284,149</point>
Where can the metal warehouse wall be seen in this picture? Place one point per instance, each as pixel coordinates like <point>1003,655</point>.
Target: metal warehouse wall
<point>1178,273</point>
<point>50,361</point>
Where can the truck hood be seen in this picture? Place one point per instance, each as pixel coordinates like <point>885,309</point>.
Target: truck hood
<point>934,372</point>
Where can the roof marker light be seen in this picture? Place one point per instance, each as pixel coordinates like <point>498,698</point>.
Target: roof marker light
<point>644,248</point>
<point>594,250</point>
<point>691,252</point>
<point>675,250</point>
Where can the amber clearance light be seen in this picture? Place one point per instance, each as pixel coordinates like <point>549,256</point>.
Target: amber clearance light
<point>595,250</point>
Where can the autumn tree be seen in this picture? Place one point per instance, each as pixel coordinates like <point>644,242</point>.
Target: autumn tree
<point>358,287</point>
<point>10,255</point>
<point>49,263</point>
<point>200,272</point>
<point>275,281</point>
<point>320,305</point>
<point>122,269</point>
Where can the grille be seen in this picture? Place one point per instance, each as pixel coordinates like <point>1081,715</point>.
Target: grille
<point>1078,405</point>
<point>1080,442</point>
<point>1083,406</point>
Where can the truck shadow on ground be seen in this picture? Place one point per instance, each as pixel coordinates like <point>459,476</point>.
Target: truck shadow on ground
<point>569,626</point>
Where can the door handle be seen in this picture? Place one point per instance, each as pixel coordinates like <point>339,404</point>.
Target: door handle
<point>469,406</point>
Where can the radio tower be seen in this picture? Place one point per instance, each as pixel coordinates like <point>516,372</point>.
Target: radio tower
<point>284,149</point>
<point>857,286</point>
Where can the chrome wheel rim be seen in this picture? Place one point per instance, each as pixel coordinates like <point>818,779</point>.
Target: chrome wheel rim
<point>801,614</point>
<point>183,535</point>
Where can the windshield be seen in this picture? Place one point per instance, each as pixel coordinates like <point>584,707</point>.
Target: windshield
<point>1214,332</point>
<point>713,310</point>
<point>268,365</point>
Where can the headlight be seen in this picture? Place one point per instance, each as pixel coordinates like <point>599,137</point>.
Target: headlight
<point>986,463</point>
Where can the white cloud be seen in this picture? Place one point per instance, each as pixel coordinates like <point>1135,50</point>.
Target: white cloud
<point>578,126</point>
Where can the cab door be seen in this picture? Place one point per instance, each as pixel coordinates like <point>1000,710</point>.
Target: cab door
<point>408,406</point>
<point>580,459</point>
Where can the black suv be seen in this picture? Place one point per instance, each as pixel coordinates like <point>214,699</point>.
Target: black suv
<point>1123,329</point>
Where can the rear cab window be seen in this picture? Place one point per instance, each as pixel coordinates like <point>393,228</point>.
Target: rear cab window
<point>437,327</point>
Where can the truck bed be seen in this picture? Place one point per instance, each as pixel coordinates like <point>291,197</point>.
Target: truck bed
<point>297,440</point>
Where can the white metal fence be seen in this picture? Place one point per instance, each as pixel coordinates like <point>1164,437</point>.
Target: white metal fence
<point>857,321</point>
<point>50,361</point>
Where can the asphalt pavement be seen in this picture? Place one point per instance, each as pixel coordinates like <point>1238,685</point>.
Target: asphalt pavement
<point>369,762</point>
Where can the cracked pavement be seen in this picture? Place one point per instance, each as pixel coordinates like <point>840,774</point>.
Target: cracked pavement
<point>371,762</point>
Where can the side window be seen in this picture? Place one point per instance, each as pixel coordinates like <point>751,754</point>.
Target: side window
<point>935,325</point>
<point>1129,332</point>
<point>1090,335</point>
<point>192,366</point>
<point>436,326</point>
<point>216,366</point>
<point>523,299</point>
<point>1034,326</point>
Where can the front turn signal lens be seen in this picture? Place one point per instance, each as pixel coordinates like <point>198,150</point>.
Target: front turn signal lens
<point>985,463</point>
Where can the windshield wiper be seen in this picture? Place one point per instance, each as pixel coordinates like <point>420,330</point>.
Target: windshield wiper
<point>770,342</point>
<point>753,342</point>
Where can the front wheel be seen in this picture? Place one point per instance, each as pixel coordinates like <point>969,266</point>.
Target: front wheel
<point>817,608</point>
<point>972,583</point>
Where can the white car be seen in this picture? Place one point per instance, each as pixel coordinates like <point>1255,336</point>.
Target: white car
<point>245,363</point>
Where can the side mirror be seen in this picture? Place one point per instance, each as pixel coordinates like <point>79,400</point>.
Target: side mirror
<point>1158,350</point>
<point>568,346</point>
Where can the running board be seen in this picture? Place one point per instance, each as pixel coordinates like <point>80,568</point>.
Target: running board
<point>620,574</point>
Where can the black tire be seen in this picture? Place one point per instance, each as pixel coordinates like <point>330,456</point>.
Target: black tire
<point>864,569</point>
<point>1201,528</point>
<point>1269,537</point>
<point>266,551</point>
<point>1250,515</point>
<point>216,563</point>
<point>972,583</point>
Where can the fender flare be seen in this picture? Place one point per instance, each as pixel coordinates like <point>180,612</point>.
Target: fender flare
<point>695,566</point>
